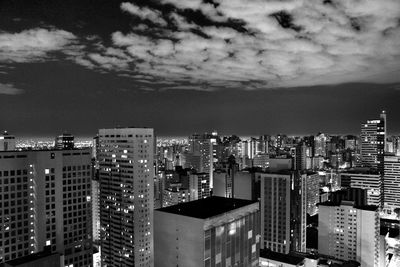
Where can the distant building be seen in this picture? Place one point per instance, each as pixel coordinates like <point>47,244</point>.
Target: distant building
<point>174,195</point>
<point>46,202</point>
<point>126,173</point>
<point>64,141</point>
<point>7,142</point>
<point>214,231</point>
<point>312,190</point>
<point>365,178</point>
<point>349,232</point>
<point>373,138</point>
<point>245,184</point>
<point>283,211</point>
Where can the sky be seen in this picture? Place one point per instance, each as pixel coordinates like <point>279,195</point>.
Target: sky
<point>237,66</point>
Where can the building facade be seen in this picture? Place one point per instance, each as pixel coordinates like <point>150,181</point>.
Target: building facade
<point>214,231</point>
<point>283,211</point>
<point>126,174</point>
<point>348,232</point>
<point>46,202</point>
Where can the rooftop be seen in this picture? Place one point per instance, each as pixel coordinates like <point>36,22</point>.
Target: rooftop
<point>207,207</point>
<point>348,203</point>
<point>31,258</point>
<point>276,256</point>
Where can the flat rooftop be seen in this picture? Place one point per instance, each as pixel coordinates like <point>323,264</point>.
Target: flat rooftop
<point>344,203</point>
<point>207,207</point>
<point>276,256</point>
<point>32,257</point>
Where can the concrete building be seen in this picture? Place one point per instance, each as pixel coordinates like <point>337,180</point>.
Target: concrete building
<point>46,201</point>
<point>367,179</point>
<point>7,142</point>
<point>349,232</point>
<point>283,211</point>
<point>392,183</point>
<point>126,173</point>
<point>175,194</point>
<point>214,231</point>
<point>245,184</point>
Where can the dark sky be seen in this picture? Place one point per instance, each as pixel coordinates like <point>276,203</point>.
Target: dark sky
<point>78,66</point>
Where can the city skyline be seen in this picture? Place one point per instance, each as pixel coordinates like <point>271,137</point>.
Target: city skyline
<point>134,63</point>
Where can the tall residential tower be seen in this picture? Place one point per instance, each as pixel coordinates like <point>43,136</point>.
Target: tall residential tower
<point>126,196</point>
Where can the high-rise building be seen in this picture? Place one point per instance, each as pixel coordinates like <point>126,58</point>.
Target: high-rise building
<point>203,148</point>
<point>213,231</point>
<point>373,136</point>
<point>312,190</point>
<point>283,211</point>
<point>320,145</point>
<point>126,158</point>
<point>46,202</point>
<point>392,183</point>
<point>7,142</point>
<point>349,232</point>
<point>64,141</point>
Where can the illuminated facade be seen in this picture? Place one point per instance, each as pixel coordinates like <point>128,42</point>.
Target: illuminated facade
<point>45,201</point>
<point>7,142</point>
<point>126,173</point>
<point>373,136</point>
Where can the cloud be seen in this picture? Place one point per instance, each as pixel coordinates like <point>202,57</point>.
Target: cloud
<point>34,44</point>
<point>9,89</point>
<point>154,16</point>
<point>259,44</point>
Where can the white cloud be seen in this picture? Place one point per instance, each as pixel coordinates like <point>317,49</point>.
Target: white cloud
<point>9,89</point>
<point>34,44</point>
<point>287,43</point>
<point>144,13</point>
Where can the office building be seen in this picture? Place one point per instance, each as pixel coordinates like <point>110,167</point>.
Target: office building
<point>64,141</point>
<point>349,232</point>
<point>367,179</point>
<point>7,142</point>
<point>213,231</point>
<point>126,174</point>
<point>392,183</point>
<point>283,211</point>
<point>373,137</point>
<point>46,202</point>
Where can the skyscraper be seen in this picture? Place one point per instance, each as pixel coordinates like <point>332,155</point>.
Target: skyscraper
<point>46,201</point>
<point>126,158</point>
<point>283,211</point>
<point>373,137</point>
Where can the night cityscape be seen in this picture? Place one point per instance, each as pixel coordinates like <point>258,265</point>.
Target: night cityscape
<point>226,133</point>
